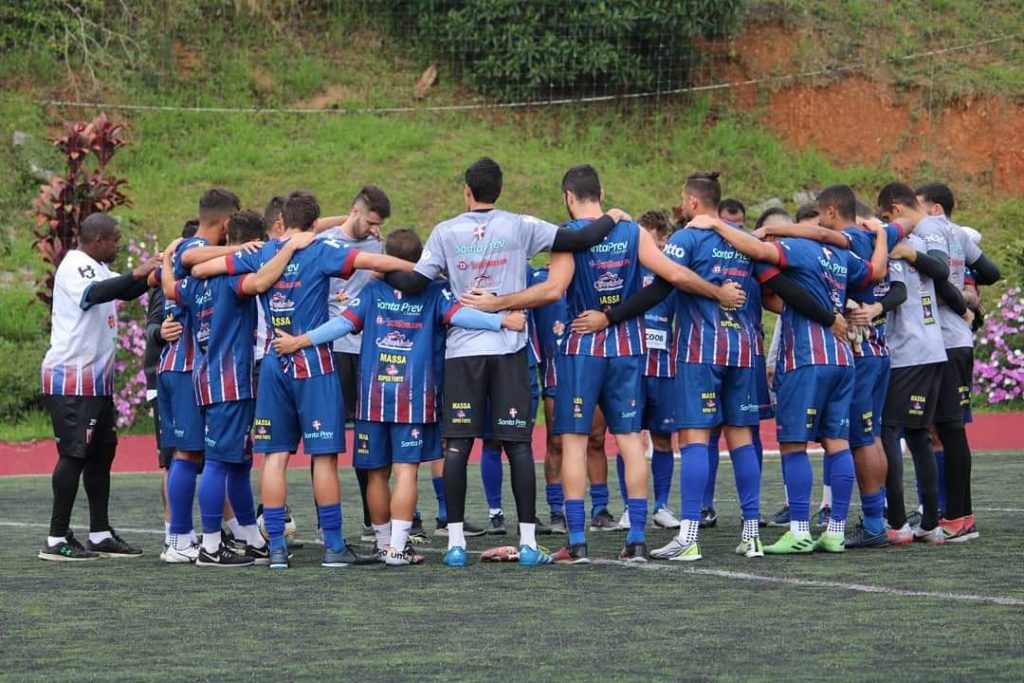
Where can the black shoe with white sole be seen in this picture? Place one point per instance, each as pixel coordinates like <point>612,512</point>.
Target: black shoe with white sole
<point>65,551</point>
<point>224,557</point>
<point>115,546</point>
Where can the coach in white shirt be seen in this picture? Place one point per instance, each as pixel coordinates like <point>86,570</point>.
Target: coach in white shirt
<point>78,383</point>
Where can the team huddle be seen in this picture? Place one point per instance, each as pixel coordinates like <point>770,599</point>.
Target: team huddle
<point>284,328</point>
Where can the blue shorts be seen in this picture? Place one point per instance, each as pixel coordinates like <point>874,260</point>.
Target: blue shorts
<point>289,409</point>
<point>870,386</point>
<point>378,444</point>
<point>814,403</point>
<point>181,418</point>
<point>228,426</point>
<point>660,404</point>
<point>586,382</point>
<point>711,395</point>
<point>764,397</point>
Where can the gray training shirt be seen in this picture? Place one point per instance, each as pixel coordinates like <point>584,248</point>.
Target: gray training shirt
<point>939,234</point>
<point>350,343</point>
<point>485,250</point>
<point>913,329</point>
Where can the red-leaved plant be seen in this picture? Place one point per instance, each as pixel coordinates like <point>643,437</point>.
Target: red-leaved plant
<point>64,202</point>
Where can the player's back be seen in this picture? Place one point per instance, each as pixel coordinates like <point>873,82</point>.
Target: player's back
<point>913,328</point>
<point>179,355</point>
<point>862,243</point>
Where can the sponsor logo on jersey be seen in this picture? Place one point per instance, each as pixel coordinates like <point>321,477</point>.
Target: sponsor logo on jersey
<point>87,272</point>
<point>395,340</point>
<point>281,303</point>
<point>610,248</point>
<point>481,247</point>
<point>608,282</point>
<point>675,251</point>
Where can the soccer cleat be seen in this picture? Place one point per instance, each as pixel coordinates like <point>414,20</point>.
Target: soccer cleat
<point>634,552</point>
<point>496,525</point>
<point>708,518</point>
<point>228,538</point>
<point>664,519</point>
<point>558,525</point>
<point>781,518</point>
<point>224,557</point>
<point>469,530</point>
<point>821,519</point>
<point>344,558</point>
<point>678,551</point>
<point>970,528</point>
<point>178,556</point>
<point>830,543</point>
<point>441,529</point>
<point>379,554</point>
<point>542,529</point>
<point>751,547</point>
<point>791,544</point>
<point>761,521</point>
<point>902,536</point>
<point>456,557</point>
<point>603,521</point>
<point>860,537</point>
<point>367,535</point>
<point>260,556</point>
<point>65,551</point>
<point>623,523</point>
<point>959,530</point>
<point>279,558</point>
<point>417,534</point>
<point>914,519</point>
<point>572,554</point>
<point>533,557</point>
<point>931,536</point>
<point>402,558</point>
<point>114,546</point>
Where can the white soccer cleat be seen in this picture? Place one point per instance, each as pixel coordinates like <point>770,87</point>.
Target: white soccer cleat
<point>175,556</point>
<point>678,551</point>
<point>664,519</point>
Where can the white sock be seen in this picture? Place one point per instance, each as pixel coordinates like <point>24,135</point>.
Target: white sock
<point>400,533</point>
<point>192,537</point>
<point>826,496</point>
<point>528,535</point>
<point>495,511</point>
<point>99,536</point>
<point>800,528</point>
<point>181,541</point>
<point>750,529</point>
<point>253,537</point>
<point>688,530</point>
<point>54,540</point>
<point>234,527</point>
<point>211,542</point>
<point>835,527</point>
<point>456,539</point>
<point>382,534</point>
<point>167,533</point>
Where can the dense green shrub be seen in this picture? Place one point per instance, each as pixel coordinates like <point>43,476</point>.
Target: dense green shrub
<point>19,377</point>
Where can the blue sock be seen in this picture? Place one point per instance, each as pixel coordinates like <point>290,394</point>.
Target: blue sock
<point>491,472</point>
<point>637,520</point>
<point>211,495</point>
<point>693,477</point>
<point>273,520</point>
<point>799,478</point>
<point>620,469</point>
<point>826,472</point>
<point>556,499</point>
<point>873,505</point>
<point>940,464</point>
<point>755,435</point>
<point>598,497</point>
<point>708,500</point>
<point>842,477</point>
<point>181,490</point>
<point>748,480</point>
<point>240,493</point>
<point>662,464</point>
<point>442,506</point>
<point>330,522</point>
<point>575,518</point>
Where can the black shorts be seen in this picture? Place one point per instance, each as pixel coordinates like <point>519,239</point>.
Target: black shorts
<point>913,396</point>
<point>957,379</point>
<point>82,423</point>
<point>471,382</point>
<point>347,367</point>
<point>163,455</point>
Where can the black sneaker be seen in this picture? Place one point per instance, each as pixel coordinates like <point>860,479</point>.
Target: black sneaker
<point>781,518</point>
<point>558,525</point>
<point>65,551</point>
<point>572,554</point>
<point>224,557</point>
<point>74,541</point>
<point>634,552</point>
<point>230,540</point>
<point>708,518</point>
<point>114,546</point>
<point>603,521</point>
<point>860,537</point>
<point>470,530</point>
<point>542,528</point>
<point>260,556</point>
<point>496,526</point>
<point>347,557</point>
<point>417,534</point>
<point>821,519</point>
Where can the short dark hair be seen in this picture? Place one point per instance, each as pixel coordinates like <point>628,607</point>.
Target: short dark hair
<point>896,193</point>
<point>732,206</point>
<point>216,202</point>
<point>300,210</point>
<point>97,226</point>
<point>655,220</point>
<point>484,180</point>
<point>273,211</point>
<point>374,199</point>
<point>705,187</point>
<point>404,243</point>
<point>245,226</point>
<point>841,197</point>
<point>808,210</point>
<point>863,210</point>
<point>582,181</point>
<point>938,193</point>
<point>190,228</point>
<point>768,213</point>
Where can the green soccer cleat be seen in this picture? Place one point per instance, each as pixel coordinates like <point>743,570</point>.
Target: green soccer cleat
<point>830,543</point>
<point>791,544</point>
<point>750,548</point>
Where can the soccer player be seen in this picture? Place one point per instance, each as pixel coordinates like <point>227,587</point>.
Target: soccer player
<point>815,379</point>
<point>297,391</point>
<point>396,427</point>
<point>603,367</point>
<point>487,249</point>
<point>78,383</point>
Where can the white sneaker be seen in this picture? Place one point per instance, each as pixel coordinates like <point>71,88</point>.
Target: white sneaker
<point>664,519</point>
<point>175,556</point>
<point>678,551</point>
<point>624,520</point>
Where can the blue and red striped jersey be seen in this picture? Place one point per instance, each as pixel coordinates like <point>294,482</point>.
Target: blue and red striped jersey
<point>179,356</point>
<point>862,243</point>
<point>658,324</point>
<point>551,322</point>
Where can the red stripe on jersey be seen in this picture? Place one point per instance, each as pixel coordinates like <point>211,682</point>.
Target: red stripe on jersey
<point>350,264</point>
<point>229,385</point>
<point>89,382</point>
<point>404,400</point>
<point>70,380</point>
<point>301,368</point>
<point>352,317</point>
<point>721,346</point>
<point>239,290</point>
<point>326,359</point>
<point>783,261</point>
<point>231,265</point>
<point>451,314</point>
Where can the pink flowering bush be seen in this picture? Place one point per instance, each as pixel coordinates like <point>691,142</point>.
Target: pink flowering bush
<point>999,368</point>
<point>129,374</point>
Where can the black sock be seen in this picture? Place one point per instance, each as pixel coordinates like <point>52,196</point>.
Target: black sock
<point>524,479</point>
<point>920,444</point>
<point>363,477</point>
<point>65,478</point>
<point>896,507</point>
<point>958,468</point>
<point>96,478</point>
<point>456,457</point>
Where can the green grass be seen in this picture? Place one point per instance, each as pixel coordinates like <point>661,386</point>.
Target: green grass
<point>33,424</point>
<point>724,618</point>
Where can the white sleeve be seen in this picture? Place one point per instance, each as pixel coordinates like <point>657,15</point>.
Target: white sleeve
<point>537,235</point>
<point>75,275</point>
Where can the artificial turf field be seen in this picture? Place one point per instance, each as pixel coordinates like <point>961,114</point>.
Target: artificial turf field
<point>914,613</point>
